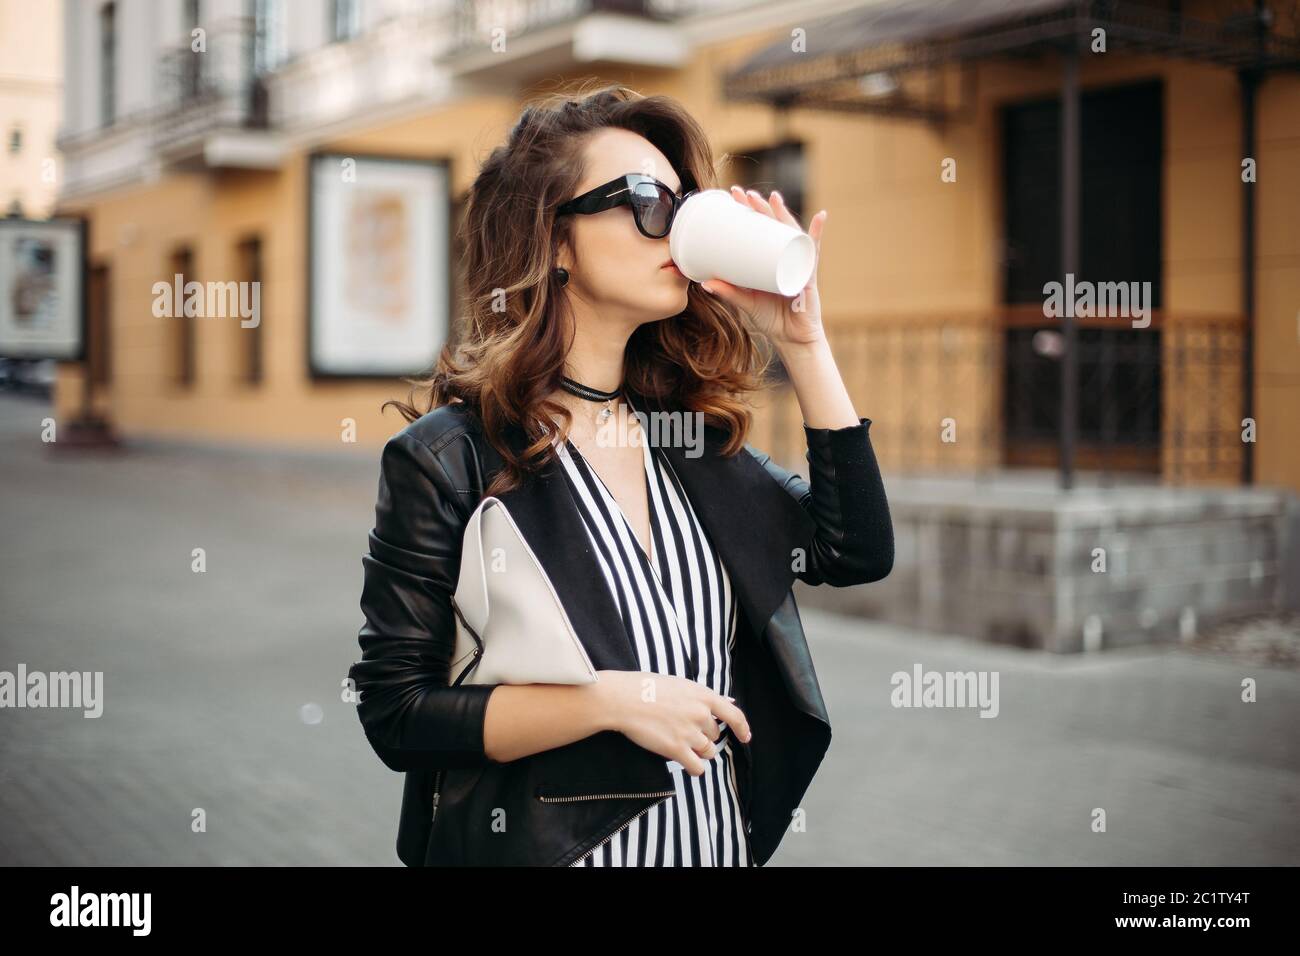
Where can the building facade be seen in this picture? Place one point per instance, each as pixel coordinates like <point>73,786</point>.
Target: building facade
<point>31,71</point>
<point>940,165</point>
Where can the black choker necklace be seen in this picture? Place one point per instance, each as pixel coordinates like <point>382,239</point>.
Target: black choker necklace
<point>591,394</point>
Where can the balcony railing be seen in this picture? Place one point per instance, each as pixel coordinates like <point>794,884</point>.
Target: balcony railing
<point>475,22</point>
<point>213,89</point>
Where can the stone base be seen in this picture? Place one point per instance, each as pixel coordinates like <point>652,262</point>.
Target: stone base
<point>1012,559</point>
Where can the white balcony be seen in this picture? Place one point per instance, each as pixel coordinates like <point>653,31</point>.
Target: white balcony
<point>213,108</point>
<point>510,42</point>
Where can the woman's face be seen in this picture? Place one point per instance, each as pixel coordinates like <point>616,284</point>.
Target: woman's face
<point>613,268</point>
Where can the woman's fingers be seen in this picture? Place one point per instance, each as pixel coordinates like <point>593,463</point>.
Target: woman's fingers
<point>742,299</point>
<point>692,763</point>
<point>759,203</point>
<point>704,746</point>
<point>783,211</point>
<point>815,227</point>
<point>725,710</point>
<point>722,289</point>
<point>815,231</point>
<point>694,760</point>
<point>773,206</point>
<point>753,199</point>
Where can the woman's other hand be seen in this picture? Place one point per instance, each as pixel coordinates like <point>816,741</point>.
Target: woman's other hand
<point>674,717</point>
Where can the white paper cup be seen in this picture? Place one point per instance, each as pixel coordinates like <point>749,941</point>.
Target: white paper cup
<point>715,237</point>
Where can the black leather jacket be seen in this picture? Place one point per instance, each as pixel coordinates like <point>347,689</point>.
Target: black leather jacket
<point>550,808</point>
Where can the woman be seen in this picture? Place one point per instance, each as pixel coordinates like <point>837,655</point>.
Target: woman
<point>674,563</point>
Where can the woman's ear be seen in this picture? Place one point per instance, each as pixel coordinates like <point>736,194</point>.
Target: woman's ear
<point>562,257</point>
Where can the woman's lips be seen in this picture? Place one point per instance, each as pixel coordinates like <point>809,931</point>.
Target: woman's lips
<point>672,266</point>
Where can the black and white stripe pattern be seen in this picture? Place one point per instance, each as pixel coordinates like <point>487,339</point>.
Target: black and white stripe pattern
<point>680,613</point>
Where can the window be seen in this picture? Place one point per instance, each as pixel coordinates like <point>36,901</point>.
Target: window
<point>268,35</point>
<point>99,325</point>
<point>1119,210</point>
<point>107,63</point>
<point>250,350</point>
<point>182,325</point>
<point>345,19</point>
<point>192,78</point>
<point>779,167</point>
<point>1119,405</point>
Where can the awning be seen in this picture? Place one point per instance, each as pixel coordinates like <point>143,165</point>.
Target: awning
<point>855,59</point>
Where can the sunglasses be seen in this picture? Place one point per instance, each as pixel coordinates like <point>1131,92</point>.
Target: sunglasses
<point>654,205</point>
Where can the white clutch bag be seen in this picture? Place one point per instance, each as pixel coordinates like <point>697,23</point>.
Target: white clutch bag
<point>510,625</point>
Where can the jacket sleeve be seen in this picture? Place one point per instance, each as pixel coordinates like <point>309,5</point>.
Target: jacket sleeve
<point>412,719</point>
<point>845,496</point>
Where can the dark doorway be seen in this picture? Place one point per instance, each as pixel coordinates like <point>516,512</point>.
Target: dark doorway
<point>1120,241</point>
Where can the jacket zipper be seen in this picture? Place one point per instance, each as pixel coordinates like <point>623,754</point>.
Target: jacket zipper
<point>606,796</point>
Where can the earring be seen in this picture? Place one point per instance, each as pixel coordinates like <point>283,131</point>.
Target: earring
<point>561,275</point>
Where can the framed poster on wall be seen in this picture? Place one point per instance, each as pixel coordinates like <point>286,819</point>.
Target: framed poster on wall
<point>379,264</point>
<point>42,289</point>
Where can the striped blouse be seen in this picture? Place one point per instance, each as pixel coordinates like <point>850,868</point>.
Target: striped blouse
<point>680,615</point>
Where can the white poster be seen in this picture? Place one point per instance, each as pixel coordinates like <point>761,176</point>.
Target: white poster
<point>41,278</point>
<point>379,265</point>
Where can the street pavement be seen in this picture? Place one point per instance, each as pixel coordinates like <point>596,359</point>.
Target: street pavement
<point>222,694</point>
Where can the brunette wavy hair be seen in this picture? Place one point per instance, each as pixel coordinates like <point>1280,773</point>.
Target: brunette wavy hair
<point>508,352</point>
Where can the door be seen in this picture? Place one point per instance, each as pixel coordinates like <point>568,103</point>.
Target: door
<point>1120,241</point>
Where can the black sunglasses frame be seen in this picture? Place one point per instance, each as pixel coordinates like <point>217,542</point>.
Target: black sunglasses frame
<point>620,191</point>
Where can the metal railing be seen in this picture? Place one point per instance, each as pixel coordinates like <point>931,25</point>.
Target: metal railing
<point>979,393</point>
<point>475,22</point>
<point>217,87</point>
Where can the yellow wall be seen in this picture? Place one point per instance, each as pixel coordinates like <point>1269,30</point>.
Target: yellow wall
<point>1277,305</point>
<point>31,67</point>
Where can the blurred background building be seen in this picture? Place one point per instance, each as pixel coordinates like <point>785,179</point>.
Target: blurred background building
<point>968,152</point>
<point>1080,485</point>
<point>31,102</point>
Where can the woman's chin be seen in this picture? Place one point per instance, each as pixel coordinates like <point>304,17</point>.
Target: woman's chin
<point>676,300</point>
<point>663,307</point>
